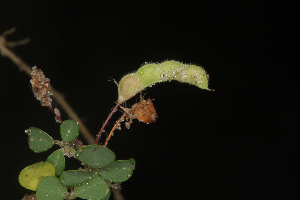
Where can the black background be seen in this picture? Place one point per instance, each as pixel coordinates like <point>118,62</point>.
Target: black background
<point>239,142</point>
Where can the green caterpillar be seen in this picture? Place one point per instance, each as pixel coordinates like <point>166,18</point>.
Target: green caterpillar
<point>149,74</point>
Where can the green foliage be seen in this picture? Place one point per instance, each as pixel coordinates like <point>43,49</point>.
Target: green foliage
<point>74,177</point>
<point>38,140</point>
<point>31,175</point>
<point>42,176</point>
<point>118,171</point>
<point>69,130</point>
<point>93,188</point>
<point>95,155</point>
<point>50,188</point>
<point>57,159</point>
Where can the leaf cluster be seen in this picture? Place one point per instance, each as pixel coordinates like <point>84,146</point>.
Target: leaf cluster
<point>51,181</point>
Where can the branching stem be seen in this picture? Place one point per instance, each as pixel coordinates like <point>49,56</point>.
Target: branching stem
<point>105,123</point>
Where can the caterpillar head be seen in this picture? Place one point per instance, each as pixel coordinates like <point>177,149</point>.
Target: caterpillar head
<point>129,86</point>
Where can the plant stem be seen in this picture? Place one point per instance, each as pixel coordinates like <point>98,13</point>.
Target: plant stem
<point>105,123</point>
<point>113,129</point>
<point>58,117</point>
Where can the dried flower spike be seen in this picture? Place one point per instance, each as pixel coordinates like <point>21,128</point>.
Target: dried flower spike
<point>41,87</point>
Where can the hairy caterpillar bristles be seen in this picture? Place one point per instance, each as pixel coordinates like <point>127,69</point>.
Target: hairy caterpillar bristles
<point>149,74</point>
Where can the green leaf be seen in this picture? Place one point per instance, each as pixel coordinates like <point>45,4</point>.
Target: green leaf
<point>133,161</point>
<point>94,188</point>
<point>69,130</point>
<point>74,177</point>
<point>31,175</point>
<point>118,171</point>
<point>106,198</point>
<point>153,73</point>
<point>57,159</point>
<point>50,188</point>
<point>38,140</point>
<point>95,155</point>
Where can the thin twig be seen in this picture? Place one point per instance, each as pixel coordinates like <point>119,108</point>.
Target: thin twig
<point>9,32</point>
<point>6,52</point>
<point>117,194</point>
<point>105,123</point>
<point>113,129</point>
<point>17,43</point>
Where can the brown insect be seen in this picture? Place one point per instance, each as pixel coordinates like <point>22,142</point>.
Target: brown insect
<point>144,111</point>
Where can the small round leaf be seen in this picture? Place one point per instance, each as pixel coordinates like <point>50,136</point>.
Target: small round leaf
<point>94,188</point>
<point>38,140</point>
<point>74,177</point>
<point>95,155</point>
<point>50,188</point>
<point>57,159</point>
<point>69,130</point>
<point>118,171</point>
<point>31,175</point>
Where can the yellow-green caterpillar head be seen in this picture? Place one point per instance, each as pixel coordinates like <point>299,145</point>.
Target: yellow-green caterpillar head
<point>129,86</point>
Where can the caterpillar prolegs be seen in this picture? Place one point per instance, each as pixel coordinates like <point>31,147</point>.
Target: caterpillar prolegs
<point>149,74</point>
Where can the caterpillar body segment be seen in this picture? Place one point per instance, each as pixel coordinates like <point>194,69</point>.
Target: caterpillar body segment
<point>150,74</point>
